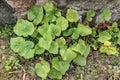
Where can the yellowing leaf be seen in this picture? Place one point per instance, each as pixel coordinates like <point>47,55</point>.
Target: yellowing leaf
<point>107,43</point>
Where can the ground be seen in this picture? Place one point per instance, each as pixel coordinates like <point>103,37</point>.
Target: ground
<point>99,66</point>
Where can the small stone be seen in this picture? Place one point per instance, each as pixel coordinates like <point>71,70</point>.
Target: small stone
<point>6,13</point>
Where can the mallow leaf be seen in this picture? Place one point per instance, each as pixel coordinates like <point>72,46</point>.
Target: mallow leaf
<point>106,14</point>
<point>118,41</point>
<point>27,53</point>
<point>22,47</point>
<point>42,69</point>
<point>67,54</point>
<point>72,15</point>
<point>90,14</point>
<point>62,23</point>
<point>56,30</point>
<point>35,14</point>
<point>87,51</point>
<point>76,33</point>
<point>54,74</point>
<point>38,49</point>
<point>44,30</point>
<point>51,13</point>
<point>24,28</point>
<point>61,42</point>
<point>84,29</point>
<point>60,65</point>
<point>79,47</point>
<point>45,42</point>
<point>17,43</point>
<point>48,7</point>
<point>104,36</point>
<point>80,60</point>
<point>53,48</point>
<point>69,32</point>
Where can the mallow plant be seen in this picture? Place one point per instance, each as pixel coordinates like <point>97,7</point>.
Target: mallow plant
<point>47,31</point>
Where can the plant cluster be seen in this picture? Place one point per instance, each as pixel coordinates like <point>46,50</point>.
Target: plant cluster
<point>65,40</point>
<point>6,31</point>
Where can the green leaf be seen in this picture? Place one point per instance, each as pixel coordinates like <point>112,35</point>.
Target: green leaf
<point>42,69</point>
<point>45,42</point>
<point>104,36</point>
<point>35,14</point>
<point>80,60</point>
<point>62,23</point>
<point>106,14</point>
<point>84,30</point>
<point>72,15</point>
<point>56,30</point>
<point>38,49</point>
<point>67,54</point>
<point>60,65</point>
<point>51,13</point>
<point>24,28</point>
<point>79,47</point>
<point>76,33</point>
<point>118,41</point>
<point>61,42</point>
<point>54,74</point>
<point>27,53</point>
<point>45,30</point>
<point>69,32</point>
<point>118,35</point>
<point>22,47</point>
<point>53,48</point>
<point>87,51</point>
<point>90,14</point>
<point>49,7</point>
<point>17,43</point>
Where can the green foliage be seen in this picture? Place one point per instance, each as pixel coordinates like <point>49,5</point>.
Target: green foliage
<point>35,14</point>
<point>55,74</point>
<point>22,47</point>
<point>6,32</point>
<point>11,62</point>
<point>38,49</point>
<point>80,60</point>
<point>104,36</point>
<point>67,54</point>
<point>106,14</point>
<point>42,69</point>
<point>24,28</point>
<point>70,17</point>
<point>54,48</point>
<point>80,47</point>
<point>60,65</point>
<point>62,23</point>
<point>90,14</point>
<point>83,50</point>
<point>84,29</point>
<point>59,40</point>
